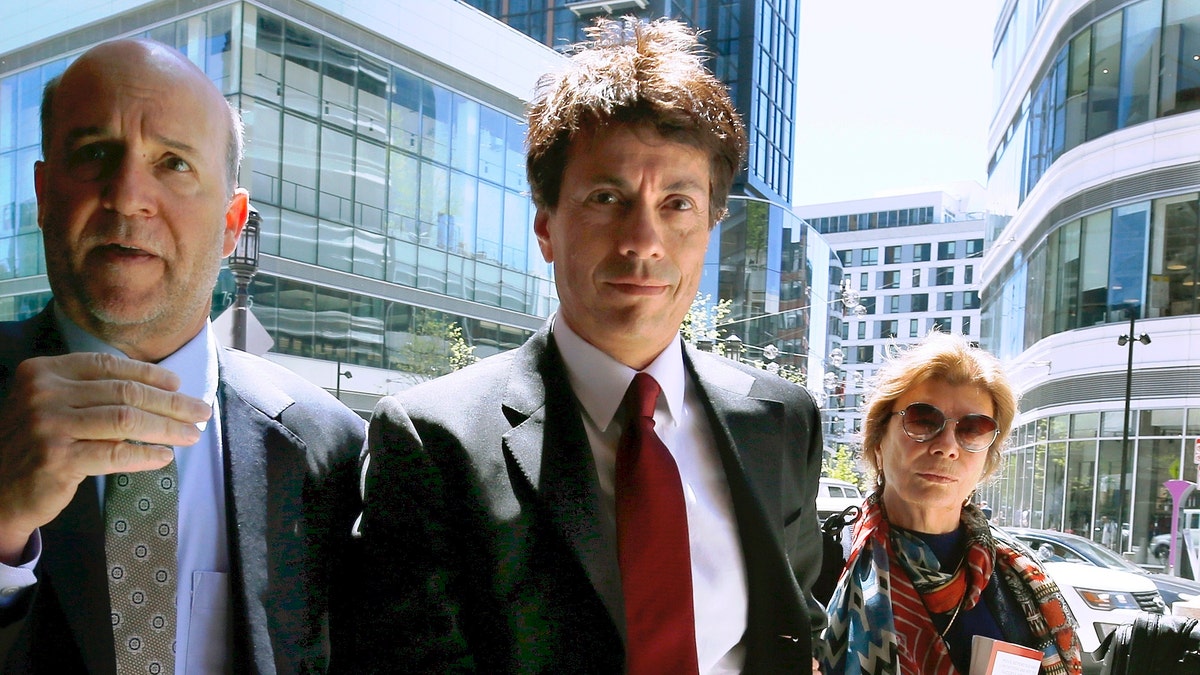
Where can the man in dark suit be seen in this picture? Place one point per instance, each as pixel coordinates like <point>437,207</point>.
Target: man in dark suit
<point>548,510</point>
<point>119,376</point>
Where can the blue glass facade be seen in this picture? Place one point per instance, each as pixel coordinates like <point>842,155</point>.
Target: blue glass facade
<point>754,47</point>
<point>1113,65</point>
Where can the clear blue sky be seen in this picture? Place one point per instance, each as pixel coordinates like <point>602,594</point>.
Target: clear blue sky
<point>892,96</point>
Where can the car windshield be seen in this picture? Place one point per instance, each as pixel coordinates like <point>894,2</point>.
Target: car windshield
<point>1104,556</point>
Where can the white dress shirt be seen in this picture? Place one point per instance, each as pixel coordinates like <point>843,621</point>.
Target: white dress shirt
<point>719,587</point>
<point>202,600</point>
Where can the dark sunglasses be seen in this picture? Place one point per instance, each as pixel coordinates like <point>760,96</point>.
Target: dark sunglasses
<point>923,422</point>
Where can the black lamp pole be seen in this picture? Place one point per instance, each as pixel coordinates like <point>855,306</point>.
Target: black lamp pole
<point>244,264</point>
<point>340,374</point>
<point>1122,341</point>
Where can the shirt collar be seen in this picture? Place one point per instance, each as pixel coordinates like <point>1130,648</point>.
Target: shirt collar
<point>195,362</point>
<point>600,381</point>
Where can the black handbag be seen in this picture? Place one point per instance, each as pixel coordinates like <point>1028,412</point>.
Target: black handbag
<point>1153,643</point>
<point>832,560</point>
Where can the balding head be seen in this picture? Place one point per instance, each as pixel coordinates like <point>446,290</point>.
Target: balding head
<point>136,195</point>
<point>158,57</point>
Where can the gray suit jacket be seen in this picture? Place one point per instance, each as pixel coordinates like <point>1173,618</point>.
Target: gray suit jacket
<point>291,456</point>
<point>482,527</point>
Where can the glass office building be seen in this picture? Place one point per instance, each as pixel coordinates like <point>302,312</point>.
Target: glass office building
<point>1094,194</point>
<point>391,181</point>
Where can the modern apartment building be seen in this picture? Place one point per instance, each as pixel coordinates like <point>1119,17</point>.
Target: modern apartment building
<point>913,261</point>
<point>1094,240</point>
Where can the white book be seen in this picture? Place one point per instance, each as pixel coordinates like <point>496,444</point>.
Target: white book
<point>997,657</point>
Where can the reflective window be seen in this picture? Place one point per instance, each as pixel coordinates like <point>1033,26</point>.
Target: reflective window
<point>1174,254</point>
<point>1180,88</point>
<point>1139,63</point>
<point>1105,67</point>
<point>1127,262</point>
<point>301,71</point>
<point>1093,294</point>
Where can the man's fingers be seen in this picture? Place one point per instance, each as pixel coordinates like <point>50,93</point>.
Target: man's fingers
<point>94,458</point>
<point>85,380</point>
<point>126,423</point>
<point>96,366</point>
<point>139,396</point>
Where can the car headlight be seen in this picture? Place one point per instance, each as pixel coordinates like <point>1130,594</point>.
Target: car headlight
<point>1107,601</point>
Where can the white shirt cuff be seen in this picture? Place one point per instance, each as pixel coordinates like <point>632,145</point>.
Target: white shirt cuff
<point>15,581</point>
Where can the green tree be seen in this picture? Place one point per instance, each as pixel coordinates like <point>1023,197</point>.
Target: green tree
<point>462,354</point>
<point>842,466</point>
<point>436,348</point>
<point>703,317</point>
<point>702,321</point>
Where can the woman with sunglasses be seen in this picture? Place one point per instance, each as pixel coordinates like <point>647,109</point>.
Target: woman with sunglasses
<point>926,571</point>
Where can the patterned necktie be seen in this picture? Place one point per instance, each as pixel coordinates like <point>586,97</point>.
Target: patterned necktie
<point>141,516</point>
<point>652,544</point>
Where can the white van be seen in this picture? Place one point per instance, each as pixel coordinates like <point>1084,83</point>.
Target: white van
<point>833,496</point>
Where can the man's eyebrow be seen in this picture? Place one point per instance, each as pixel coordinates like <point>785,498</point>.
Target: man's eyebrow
<point>82,132</point>
<point>681,185</point>
<point>74,135</point>
<point>176,145</point>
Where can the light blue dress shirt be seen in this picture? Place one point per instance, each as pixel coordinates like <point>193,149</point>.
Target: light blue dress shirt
<point>202,603</point>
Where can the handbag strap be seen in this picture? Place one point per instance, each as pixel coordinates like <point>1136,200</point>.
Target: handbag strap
<point>834,524</point>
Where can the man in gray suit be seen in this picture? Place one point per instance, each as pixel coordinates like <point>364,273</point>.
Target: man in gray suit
<point>121,376</point>
<point>603,499</point>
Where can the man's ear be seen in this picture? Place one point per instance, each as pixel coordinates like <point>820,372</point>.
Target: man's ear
<point>541,228</point>
<point>235,220</point>
<point>39,181</point>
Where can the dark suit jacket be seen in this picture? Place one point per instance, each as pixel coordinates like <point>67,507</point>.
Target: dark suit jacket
<point>482,527</point>
<point>291,456</point>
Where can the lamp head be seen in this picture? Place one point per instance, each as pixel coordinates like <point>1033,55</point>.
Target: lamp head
<point>1123,340</point>
<point>1144,338</point>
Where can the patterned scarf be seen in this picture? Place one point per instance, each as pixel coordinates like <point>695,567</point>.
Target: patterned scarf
<point>879,623</point>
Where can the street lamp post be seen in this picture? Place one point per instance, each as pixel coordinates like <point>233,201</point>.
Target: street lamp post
<point>340,374</point>
<point>244,264</point>
<point>1123,341</point>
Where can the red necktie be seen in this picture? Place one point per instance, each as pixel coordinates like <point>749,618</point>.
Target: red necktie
<point>652,544</point>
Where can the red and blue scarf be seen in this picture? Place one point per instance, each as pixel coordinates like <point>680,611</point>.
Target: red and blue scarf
<point>879,616</point>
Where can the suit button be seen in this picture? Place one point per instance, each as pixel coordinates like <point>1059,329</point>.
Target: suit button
<point>297,528</point>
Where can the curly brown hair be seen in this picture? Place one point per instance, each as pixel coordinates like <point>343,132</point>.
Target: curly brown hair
<point>631,72</point>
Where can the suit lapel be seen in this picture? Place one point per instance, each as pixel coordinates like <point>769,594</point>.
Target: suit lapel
<point>756,454</point>
<point>777,622</point>
<point>250,433</point>
<point>549,446</point>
